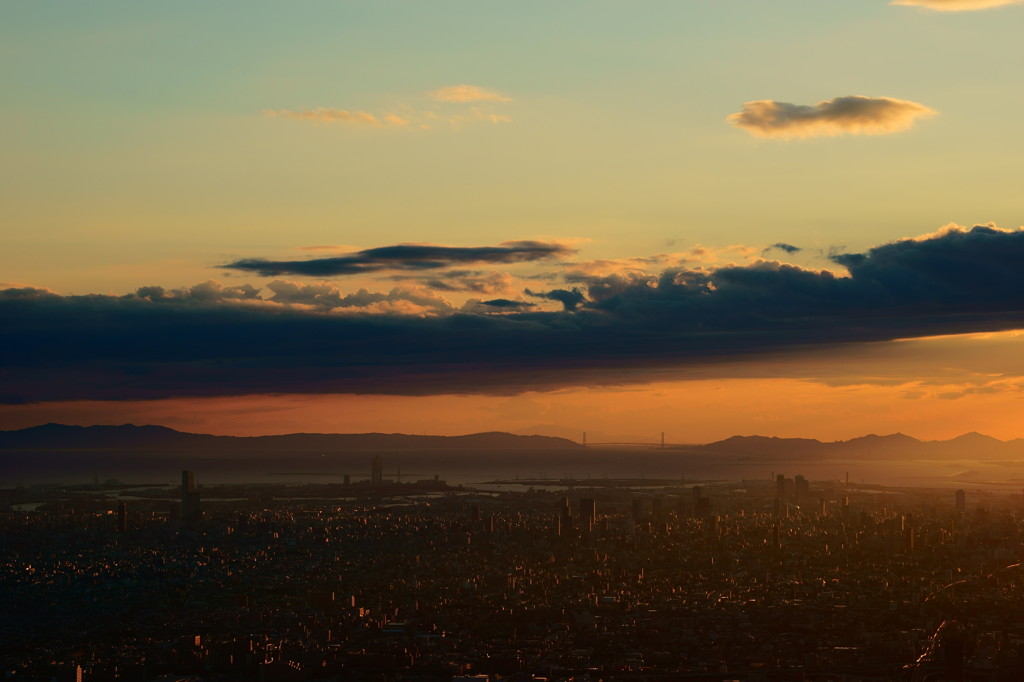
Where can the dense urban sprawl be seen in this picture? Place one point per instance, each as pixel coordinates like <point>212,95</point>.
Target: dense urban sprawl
<point>760,580</point>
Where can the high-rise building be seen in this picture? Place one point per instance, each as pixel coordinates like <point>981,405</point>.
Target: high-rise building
<point>122,517</point>
<point>961,502</point>
<point>703,508</point>
<point>637,509</point>
<point>588,513</point>
<point>376,472</point>
<point>190,511</point>
<point>801,488</point>
<point>565,517</point>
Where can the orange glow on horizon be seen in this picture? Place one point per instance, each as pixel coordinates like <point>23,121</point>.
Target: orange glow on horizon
<point>697,411</point>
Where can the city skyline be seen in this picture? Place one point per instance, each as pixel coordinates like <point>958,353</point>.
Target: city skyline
<point>707,219</point>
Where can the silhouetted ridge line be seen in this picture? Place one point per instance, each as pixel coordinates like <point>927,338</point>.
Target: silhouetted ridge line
<point>872,446</point>
<point>129,437</point>
<point>159,439</point>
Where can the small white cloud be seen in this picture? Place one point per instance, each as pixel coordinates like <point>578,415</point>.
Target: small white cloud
<point>849,115</point>
<point>956,5</point>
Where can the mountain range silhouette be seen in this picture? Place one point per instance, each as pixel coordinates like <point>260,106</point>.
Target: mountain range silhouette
<point>159,439</point>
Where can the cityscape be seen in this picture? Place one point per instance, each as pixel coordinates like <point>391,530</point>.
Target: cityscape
<point>779,578</point>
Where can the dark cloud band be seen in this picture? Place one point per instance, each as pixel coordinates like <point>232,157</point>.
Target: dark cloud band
<point>104,347</point>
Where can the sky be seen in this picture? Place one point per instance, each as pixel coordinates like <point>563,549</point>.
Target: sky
<point>619,217</point>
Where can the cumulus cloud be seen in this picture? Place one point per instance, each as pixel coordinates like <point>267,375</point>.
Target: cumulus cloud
<point>956,5</point>
<point>404,257</point>
<point>467,93</point>
<point>210,290</point>
<point>328,115</point>
<point>325,296</point>
<point>850,115</point>
<point>216,340</point>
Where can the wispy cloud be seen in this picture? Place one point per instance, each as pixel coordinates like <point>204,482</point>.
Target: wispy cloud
<point>849,115</point>
<point>467,93</point>
<point>335,248</point>
<point>459,104</point>
<point>343,116</point>
<point>642,266</point>
<point>782,246</point>
<point>492,283</point>
<point>956,5</point>
<point>404,257</point>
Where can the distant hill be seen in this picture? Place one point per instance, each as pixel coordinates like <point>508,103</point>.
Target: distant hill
<point>59,437</point>
<point>159,440</point>
<point>893,446</point>
<point>764,445</point>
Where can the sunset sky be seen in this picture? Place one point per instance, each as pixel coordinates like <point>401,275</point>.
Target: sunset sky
<point>624,217</point>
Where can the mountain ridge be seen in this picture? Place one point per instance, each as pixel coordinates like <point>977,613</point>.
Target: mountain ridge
<point>150,438</point>
<point>127,437</point>
<point>874,446</point>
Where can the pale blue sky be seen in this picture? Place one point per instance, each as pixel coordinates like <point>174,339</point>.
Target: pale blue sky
<point>136,150</point>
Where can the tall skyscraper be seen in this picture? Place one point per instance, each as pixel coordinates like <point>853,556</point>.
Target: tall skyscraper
<point>376,472</point>
<point>801,488</point>
<point>588,513</point>
<point>190,511</point>
<point>122,517</point>
<point>565,518</point>
<point>961,502</point>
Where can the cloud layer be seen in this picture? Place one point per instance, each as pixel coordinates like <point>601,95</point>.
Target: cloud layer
<point>403,257</point>
<point>850,115</point>
<point>956,5</point>
<point>215,340</point>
